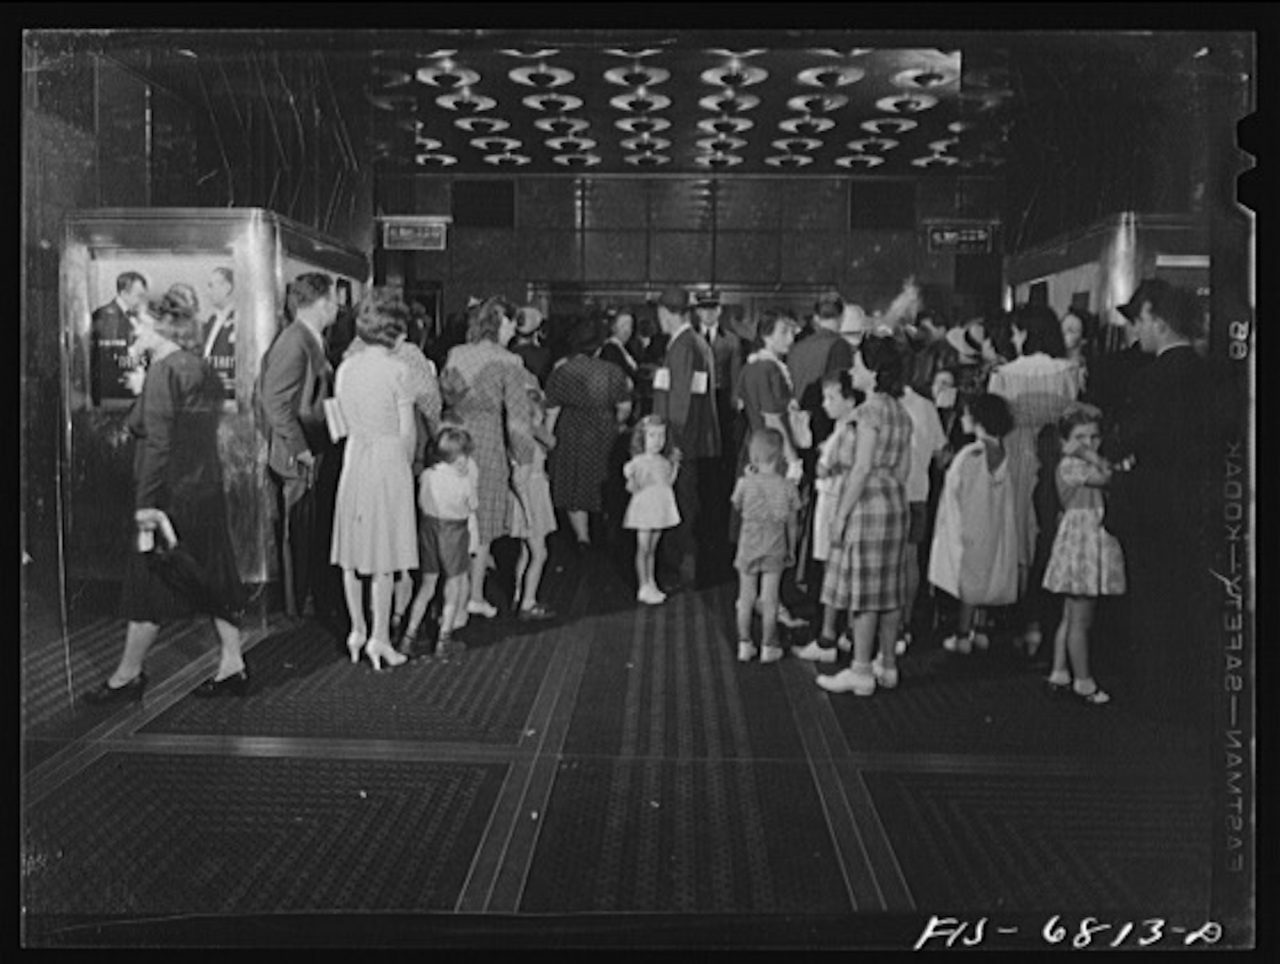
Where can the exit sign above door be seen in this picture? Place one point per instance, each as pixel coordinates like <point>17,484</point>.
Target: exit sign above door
<point>414,234</point>
<point>960,238</point>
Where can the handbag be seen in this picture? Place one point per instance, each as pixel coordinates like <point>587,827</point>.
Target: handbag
<point>801,427</point>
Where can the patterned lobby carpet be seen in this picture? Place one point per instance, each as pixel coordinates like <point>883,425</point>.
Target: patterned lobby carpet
<point>615,766</point>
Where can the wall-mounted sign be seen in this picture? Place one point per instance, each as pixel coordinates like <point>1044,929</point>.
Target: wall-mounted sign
<point>960,238</point>
<point>416,234</point>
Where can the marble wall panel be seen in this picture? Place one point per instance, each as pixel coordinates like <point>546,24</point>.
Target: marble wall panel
<point>680,256</point>
<point>750,257</point>
<point>615,255</point>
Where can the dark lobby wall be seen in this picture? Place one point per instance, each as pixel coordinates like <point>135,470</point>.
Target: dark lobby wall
<point>760,233</point>
<point>97,133</point>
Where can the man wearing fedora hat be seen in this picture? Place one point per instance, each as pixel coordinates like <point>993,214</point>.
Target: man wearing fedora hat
<point>684,395</point>
<point>1159,506</point>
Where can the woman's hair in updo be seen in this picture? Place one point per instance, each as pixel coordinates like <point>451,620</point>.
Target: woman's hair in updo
<point>175,320</point>
<point>485,318</point>
<point>382,317</point>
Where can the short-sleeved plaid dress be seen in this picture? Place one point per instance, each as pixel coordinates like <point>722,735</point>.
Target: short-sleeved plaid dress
<point>864,572</point>
<point>495,393</point>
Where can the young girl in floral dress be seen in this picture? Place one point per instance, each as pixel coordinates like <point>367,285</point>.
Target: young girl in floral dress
<point>1086,560</point>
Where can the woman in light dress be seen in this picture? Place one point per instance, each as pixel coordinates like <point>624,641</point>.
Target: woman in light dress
<point>375,533</point>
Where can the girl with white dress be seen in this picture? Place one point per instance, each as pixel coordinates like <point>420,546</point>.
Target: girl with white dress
<point>651,476</point>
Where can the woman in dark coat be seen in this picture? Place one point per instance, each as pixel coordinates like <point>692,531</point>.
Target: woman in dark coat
<point>593,399</point>
<point>183,561</point>
<point>620,325</point>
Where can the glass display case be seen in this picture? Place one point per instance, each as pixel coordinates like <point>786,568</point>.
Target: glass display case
<point>235,264</point>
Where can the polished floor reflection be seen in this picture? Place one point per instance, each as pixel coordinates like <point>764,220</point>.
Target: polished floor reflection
<point>617,762</point>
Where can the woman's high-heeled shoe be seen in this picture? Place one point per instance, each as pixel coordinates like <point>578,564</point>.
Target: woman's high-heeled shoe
<point>130,692</point>
<point>379,650</point>
<point>355,645</point>
<point>237,684</point>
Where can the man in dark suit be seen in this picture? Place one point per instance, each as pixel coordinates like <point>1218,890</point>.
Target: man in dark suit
<point>1111,380</point>
<point>528,343</point>
<point>822,353</point>
<point>717,483</point>
<point>1160,507</point>
<point>296,379</point>
<point>220,329</point>
<point>684,395</point>
<point>110,335</point>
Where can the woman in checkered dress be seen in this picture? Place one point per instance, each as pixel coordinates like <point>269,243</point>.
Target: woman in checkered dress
<point>483,389</point>
<point>869,530</point>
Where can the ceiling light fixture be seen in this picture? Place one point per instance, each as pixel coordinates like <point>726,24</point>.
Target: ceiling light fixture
<point>874,145</point>
<point>738,54</point>
<point>817,103</point>
<point>531,54</point>
<point>466,102</point>
<point>452,78</point>
<point>889,125</point>
<point>717,160</point>
<point>936,160</point>
<point>788,160</point>
<point>640,102</point>
<point>729,102</point>
<point>926,78</point>
<point>558,103</point>
<point>722,144</point>
<point>541,76</point>
<point>792,145</point>
<point>830,77</point>
<point>633,54</point>
<point>495,145</point>
<point>577,160</point>
<point>642,125</point>
<point>725,125</point>
<point>481,125</point>
<point>646,143</point>
<point>561,126</point>
<point>909,104</point>
<point>833,52</point>
<point>571,145</point>
<point>647,160</point>
<point>636,76</point>
<point>508,160</point>
<point>436,160</point>
<point>806,125</point>
<point>734,75</point>
<point>860,160</point>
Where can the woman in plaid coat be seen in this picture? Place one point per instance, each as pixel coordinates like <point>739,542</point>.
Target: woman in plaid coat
<point>483,390</point>
<point>869,530</point>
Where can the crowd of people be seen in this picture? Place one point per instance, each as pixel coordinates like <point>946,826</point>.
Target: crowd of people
<point>889,472</point>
